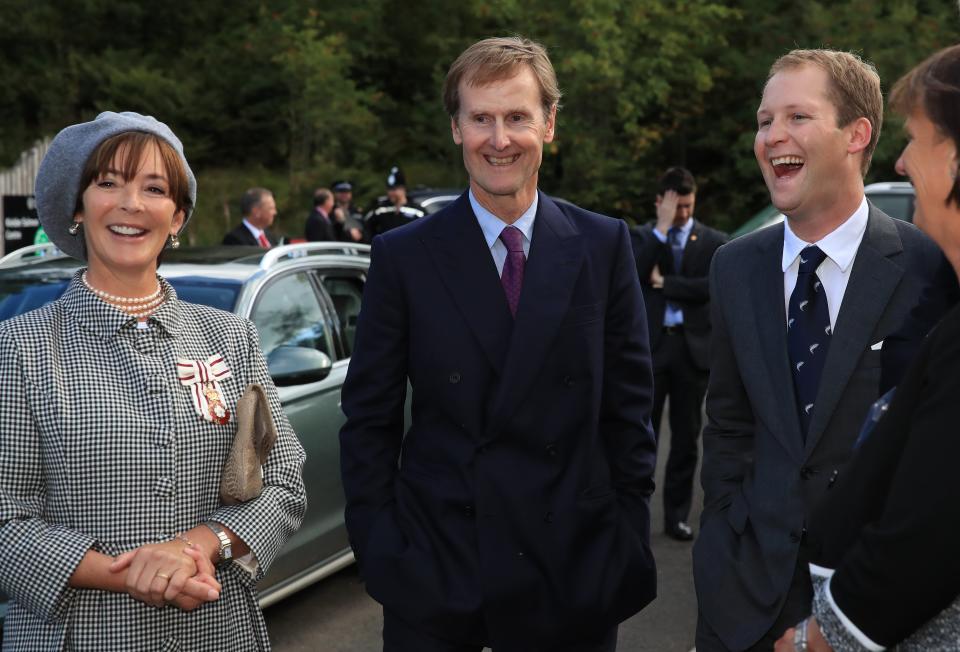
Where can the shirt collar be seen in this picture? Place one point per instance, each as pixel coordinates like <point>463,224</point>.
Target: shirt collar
<point>491,225</point>
<point>686,228</point>
<point>840,245</point>
<point>104,320</point>
<point>254,230</point>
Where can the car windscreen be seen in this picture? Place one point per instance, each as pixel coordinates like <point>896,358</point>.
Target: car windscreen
<point>21,294</point>
<point>216,293</point>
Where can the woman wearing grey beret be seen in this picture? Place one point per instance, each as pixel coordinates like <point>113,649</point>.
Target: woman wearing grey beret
<point>116,416</point>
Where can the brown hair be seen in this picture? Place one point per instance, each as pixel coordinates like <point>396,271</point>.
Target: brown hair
<point>934,88</point>
<point>499,58</point>
<point>134,143</point>
<point>854,89</point>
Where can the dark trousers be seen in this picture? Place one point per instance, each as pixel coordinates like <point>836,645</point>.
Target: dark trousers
<point>676,375</point>
<point>400,636</point>
<point>795,608</point>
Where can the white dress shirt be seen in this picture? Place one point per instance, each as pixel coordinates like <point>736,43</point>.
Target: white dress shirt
<point>492,226</point>
<point>673,316</point>
<point>840,246</point>
<point>254,230</point>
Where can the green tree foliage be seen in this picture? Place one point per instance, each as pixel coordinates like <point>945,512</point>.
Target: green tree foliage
<point>292,94</point>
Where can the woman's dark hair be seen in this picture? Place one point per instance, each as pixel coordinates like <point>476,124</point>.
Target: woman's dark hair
<point>133,144</point>
<point>934,88</point>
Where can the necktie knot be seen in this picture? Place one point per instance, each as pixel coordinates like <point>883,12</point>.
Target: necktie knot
<point>512,239</point>
<point>810,259</point>
<point>673,235</point>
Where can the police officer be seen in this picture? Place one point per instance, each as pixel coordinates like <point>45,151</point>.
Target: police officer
<point>395,211</point>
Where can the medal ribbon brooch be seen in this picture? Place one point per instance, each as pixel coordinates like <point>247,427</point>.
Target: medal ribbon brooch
<point>202,379</point>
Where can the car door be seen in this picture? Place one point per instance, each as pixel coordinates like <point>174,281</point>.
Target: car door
<point>291,310</point>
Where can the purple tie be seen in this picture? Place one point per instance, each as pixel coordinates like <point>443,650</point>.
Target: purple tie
<point>512,276</point>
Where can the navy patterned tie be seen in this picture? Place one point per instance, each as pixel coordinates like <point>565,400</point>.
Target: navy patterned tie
<point>808,333</point>
<point>676,248</point>
<point>512,276</point>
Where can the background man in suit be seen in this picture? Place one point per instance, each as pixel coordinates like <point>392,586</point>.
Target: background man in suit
<point>518,514</point>
<point>673,262</point>
<point>320,225</point>
<point>259,209</point>
<point>799,316</point>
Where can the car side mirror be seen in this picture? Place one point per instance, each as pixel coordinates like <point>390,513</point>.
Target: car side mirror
<point>296,365</point>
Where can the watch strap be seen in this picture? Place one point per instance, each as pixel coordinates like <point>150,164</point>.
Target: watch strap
<point>226,545</point>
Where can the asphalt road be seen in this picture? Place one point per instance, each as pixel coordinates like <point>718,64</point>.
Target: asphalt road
<point>336,615</point>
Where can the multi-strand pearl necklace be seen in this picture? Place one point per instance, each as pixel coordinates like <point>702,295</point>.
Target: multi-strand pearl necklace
<point>136,307</point>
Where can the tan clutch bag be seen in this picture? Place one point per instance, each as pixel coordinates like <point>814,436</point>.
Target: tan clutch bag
<point>242,476</point>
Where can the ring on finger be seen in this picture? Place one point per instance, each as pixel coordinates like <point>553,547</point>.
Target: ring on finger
<point>163,575</point>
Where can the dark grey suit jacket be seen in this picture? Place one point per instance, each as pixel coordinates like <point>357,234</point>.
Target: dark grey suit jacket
<point>760,479</point>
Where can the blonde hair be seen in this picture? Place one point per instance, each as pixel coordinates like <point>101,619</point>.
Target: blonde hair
<point>854,89</point>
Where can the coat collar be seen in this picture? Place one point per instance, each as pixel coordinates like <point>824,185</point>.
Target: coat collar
<point>105,321</point>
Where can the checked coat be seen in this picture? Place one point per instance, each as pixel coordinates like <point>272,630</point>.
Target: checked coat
<point>101,448</point>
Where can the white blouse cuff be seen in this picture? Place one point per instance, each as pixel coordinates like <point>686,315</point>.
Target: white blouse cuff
<point>855,631</point>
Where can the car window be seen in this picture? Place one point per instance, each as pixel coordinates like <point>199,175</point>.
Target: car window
<point>346,293</point>
<point>289,313</point>
<point>898,205</point>
<point>18,297</point>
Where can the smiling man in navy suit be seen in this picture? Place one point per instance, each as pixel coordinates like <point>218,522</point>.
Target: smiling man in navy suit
<point>513,513</point>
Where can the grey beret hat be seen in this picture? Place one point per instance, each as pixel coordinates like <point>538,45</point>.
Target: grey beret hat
<point>58,180</point>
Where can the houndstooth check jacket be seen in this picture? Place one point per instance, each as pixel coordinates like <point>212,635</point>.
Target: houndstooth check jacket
<point>101,447</point>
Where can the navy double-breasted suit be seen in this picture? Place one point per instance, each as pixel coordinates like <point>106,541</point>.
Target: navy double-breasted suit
<point>518,496</point>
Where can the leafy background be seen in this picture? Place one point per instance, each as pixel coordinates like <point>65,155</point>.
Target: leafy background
<point>292,94</point>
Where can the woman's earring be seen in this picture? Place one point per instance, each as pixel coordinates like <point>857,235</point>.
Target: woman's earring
<point>174,241</point>
<point>74,228</point>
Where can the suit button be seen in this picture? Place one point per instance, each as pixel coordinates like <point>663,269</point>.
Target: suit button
<point>548,517</point>
<point>807,472</point>
<point>795,536</point>
<point>568,381</point>
<point>551,450</point>
<point>454,377</point>
<point>468,510</point>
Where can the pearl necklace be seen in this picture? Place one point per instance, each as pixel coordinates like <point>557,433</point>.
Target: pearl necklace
<point>132,301</point>
<point>136,307</point>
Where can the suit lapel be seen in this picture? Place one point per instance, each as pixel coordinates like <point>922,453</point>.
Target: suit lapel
<point>690,250</point>
<point>873,279</point>
<point>466,268</point>
<point>772,330</point>
<point>556,255</point>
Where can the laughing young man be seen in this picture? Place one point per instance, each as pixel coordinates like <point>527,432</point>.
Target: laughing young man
<point>799,313</point>
<point>513,512</point>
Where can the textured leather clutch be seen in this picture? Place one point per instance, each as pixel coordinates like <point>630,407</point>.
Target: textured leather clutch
<point>242,476</point>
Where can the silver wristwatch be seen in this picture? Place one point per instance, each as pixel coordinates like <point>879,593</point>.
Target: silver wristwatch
<point>800,636</point>
<point>226,546</point>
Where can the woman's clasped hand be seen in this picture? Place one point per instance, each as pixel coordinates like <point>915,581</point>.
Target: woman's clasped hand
<point>171,572</point>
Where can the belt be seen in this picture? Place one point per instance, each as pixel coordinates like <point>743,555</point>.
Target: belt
<point>673,330</point>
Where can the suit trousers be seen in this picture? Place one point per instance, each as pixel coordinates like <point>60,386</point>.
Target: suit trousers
<point>400,636</point>
<point>795,608</point>
<point>676,375</point>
